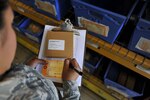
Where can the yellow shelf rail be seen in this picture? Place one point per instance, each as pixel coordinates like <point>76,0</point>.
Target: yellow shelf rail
<point>119,54</point>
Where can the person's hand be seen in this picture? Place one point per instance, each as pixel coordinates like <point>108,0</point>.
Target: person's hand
<point>34,62</point>
<point>68,73</point>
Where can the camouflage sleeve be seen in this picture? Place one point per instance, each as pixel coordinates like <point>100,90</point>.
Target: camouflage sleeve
<point>27,84</point>
<point>71,90</point>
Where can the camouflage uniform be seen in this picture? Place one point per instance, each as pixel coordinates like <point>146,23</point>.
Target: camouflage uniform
<point>24,83</point>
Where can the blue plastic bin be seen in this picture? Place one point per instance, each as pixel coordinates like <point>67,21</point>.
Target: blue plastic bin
<point>104,18</point>
<point>37,37</point>
<point>18,20</point>
<point>92,61</point>
<point>53,8</point>
<point>112,74</point>
<point>140,41</point>
<point>28,2</point>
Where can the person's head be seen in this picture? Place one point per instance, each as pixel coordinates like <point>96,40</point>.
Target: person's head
<point>7,37</point>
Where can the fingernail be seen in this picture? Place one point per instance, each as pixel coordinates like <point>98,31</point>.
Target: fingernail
<point>46,61</point>
<point>73,59</point>
<point>67,61</point>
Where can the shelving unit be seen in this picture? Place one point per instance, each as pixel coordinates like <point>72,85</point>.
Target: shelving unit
<point>32,14</point>
<point>114,52</point>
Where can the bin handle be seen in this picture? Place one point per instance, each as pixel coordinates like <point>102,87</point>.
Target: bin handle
<point>142,28</point>
<point>101,16</point>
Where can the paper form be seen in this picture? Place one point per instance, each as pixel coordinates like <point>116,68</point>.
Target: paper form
<point>79,49</point>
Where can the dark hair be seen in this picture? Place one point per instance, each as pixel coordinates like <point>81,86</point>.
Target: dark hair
<point>3,6</point>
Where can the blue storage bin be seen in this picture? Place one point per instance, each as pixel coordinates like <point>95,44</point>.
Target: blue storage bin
<point>54,8</point>
<point>18,20</point>
<point>111,80</point>
<point>92,60</point>
<point>37,37</point>
<point>28,2</point>
<point>103,18</point>
<point>140,41</point>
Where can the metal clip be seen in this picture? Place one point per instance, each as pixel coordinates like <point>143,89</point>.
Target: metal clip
<point>67,25</point>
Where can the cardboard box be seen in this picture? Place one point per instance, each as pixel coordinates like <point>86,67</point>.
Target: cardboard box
<point>122,78</point>
<point>59,44</point>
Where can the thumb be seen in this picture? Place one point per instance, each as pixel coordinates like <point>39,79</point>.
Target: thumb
<point>40,61</point>
<point>36,61</point>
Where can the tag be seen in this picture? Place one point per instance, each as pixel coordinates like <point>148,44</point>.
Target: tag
<point>97,28</point>
<point>143,69</point>
<point>20,9</point>
<point>46,6</point>
<point>32,37</point>
<point>56,45</point>
<point>143,44</point>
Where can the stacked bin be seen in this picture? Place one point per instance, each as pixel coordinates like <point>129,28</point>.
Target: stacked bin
<point>18,20</point>
<point>140,41</point>
<point>37,37</point>
<point>103,18</point>
<point>124,80</point>
<point>92,60</point>
<point>28,2</point>
<point>53,8</point>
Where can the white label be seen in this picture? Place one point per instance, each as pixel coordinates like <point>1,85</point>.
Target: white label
<point>117,90</point>
<point>92,26</point>
<point>20,9</point>
<point>32,37</point>
<point>143,44</point>
<point>95,45</point>
<point>56,45</point>
<point>143,69</point>
<point>46,6</point>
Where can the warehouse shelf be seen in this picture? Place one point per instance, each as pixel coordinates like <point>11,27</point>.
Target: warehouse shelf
<point>114,52</point>
<point>119,54</point>
<point>98,87</point>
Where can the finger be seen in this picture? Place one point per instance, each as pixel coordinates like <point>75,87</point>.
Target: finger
<point>36,61</point>
<point>75,63</point>
<point>66,64</point>
<point>40,61</point>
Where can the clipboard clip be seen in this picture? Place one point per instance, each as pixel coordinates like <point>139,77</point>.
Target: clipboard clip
<point>66,26</point>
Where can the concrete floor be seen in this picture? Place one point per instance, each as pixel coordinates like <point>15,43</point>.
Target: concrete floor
<point>23,55</point>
